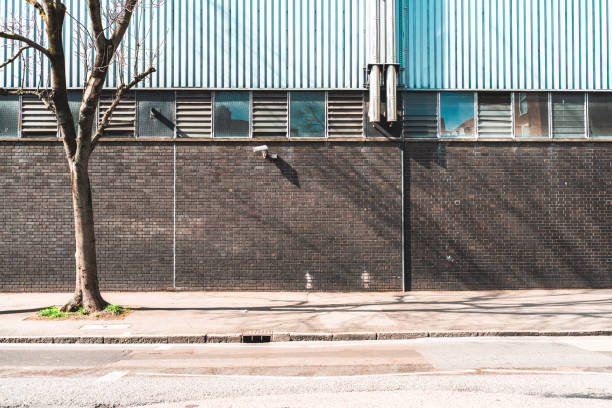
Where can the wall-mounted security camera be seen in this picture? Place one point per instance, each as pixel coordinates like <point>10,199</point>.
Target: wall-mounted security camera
<point>263,150</point>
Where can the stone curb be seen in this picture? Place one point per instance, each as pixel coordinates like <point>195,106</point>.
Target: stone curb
<point>283,337</point>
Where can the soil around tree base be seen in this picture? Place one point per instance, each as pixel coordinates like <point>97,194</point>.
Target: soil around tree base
<point>104,315</point>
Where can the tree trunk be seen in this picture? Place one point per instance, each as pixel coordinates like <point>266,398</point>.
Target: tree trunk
<point>87,291</point>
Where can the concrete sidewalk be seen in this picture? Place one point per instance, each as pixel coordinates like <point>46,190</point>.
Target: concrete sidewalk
<point>225,316</point>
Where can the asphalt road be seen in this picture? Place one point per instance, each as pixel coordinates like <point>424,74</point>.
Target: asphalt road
<point>454,372</point>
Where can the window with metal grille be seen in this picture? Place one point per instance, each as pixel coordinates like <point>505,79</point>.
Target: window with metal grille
<point>232,118</point>
<point>568,115</point>
<point>270,114</point>
<point>345,114</point>
<point>494,115</point>
<point>9,116</point>
<point>155,114</point>
<point>123,120</point>
<point>193,114</point>
<point>36,119</point>
<point>420,118</point>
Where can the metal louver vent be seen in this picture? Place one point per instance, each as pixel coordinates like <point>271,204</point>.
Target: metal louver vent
<point>193,114</point>
<point>123,120</point>
<point>420,119</point>
<point>494,115</point>
<point>345,114</point>
<point>36,118</point>
<point>568,115</point>
<point>269,114</point>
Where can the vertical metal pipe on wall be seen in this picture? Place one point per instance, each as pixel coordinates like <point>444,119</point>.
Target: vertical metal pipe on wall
<point>391,79</point>
<point>374,59</point>
<point>381,58</point>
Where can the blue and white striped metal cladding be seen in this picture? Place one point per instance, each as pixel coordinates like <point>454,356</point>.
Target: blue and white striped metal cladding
<point>305,44</point>
<point>231,43</point>
<point>506,44</point>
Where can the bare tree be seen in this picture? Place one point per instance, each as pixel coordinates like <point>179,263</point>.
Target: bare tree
<point>101,47</point>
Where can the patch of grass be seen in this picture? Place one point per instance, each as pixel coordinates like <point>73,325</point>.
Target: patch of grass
<point>110,312</point>
<point>52,313</point>
<point>116,309</point>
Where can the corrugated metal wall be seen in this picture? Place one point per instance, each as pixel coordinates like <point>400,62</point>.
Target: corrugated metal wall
<point>442,44</point>
<point>506,44</point>
<point>229,43</point>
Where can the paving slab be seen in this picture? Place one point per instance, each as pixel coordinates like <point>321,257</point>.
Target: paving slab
<point>224,316</point>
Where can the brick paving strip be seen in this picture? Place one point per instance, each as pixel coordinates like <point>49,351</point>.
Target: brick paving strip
<point>284,337</point>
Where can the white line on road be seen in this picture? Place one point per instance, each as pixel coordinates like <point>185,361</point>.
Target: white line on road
<point>112,376</point>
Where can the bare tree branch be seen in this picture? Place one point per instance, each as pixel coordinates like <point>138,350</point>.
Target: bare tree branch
<point>10,60</point>
<point>124,22</point>
<point>25,40</point>
<point>44,95</point>
<point>104,122</point>
<point>38,7</point>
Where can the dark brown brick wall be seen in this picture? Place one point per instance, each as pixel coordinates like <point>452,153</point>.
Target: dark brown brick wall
<point>332,211</point>
<point>132,189</point>
<point>36,229</point>
<point>478,216</point>
<point>508,216</point>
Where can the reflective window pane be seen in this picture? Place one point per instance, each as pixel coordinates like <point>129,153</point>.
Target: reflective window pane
<point>420,114</point>
<point>307,114</point>
<point>568,115</point>
<point>494,115</point>
<point>456,114</point>
<point>9,116</point>
<point>232,114</point>
<point>531,114</point>
<point>600,115</point>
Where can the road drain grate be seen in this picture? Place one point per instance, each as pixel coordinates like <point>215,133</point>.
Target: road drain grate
<point>255,338</point>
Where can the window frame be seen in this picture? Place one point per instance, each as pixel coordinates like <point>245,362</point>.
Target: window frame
<point>214,105</point>
<point>474,135</point>
<point>516,108</point>
<point>515,100</point>
<point>588,118</point>
<point>325,115</point>
<point>18,134</point>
